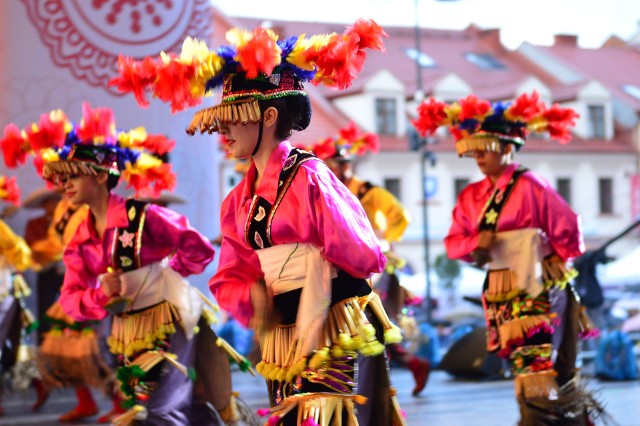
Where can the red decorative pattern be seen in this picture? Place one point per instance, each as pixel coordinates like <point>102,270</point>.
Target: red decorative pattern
<point>86,36</point>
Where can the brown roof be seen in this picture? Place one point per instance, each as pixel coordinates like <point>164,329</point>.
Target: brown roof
<point>612,65</point>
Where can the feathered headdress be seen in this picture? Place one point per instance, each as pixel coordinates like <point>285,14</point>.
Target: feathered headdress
<point>350,141</point>
<point>254,66</point>
<point>478,125</point>
<point>94,145</point>
<point>9,190</point>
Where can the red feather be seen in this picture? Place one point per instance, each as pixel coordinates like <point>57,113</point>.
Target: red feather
<point>559,120</point>
<point>135,77</point>
<point>14,146</point>
<point>431,115</point>
<point>157,144</point>
<point>325,149</point>
<point>13,191</point>
<point>527,106</point>
<point>369,33</point>
<point>49,134</point>
<point>96,123</point>
<point>472,107</point>
<point>257,55</point>
<point>173,85</point>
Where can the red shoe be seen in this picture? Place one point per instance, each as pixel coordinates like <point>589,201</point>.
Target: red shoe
<point>42,394</point>
<point>420,368</point>
<point>86,406</point>
<point>115,411</point>
<point>78,414</point>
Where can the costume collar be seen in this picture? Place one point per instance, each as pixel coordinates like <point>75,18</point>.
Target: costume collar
<point>268,187</point>
<point>116,218</point>
<point>503,180</point>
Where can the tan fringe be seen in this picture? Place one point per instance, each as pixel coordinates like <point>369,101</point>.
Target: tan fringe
<point>241,111</point>
<point>324,408</point>
<point>346,330</point>
<point>20,287</point>
<point>131,333</point>
<point>237,357</point>
<point>502,286</point>
<point>518,327</point>
<point>555,272</point>
<point>397,418</point>
<point>69,167</point>
<point>392,333</point>
<point>137,412</point>
<point>478,142</point>
<point>535,385</point>
<point>230,413</point>
<point>72,358</point>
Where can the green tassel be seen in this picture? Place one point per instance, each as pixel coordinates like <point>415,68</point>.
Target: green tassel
<point>33,327</point>
<point>191,372</point>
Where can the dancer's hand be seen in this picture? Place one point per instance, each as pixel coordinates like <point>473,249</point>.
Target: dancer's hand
<point>111,284</point>
<point>263,316</point>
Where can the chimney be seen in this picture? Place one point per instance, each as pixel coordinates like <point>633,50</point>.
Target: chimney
<point>568,40</point>
<point>491,37</point>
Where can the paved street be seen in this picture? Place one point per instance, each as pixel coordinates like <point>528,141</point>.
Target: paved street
<point>444,402</point>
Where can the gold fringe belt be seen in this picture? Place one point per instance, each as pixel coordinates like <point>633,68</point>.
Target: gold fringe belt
<point>131,333</point>
<point>345,332</point>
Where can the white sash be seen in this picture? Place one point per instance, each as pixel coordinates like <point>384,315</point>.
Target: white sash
<point>521,251</point>
<point>156,283</point>
<point>288,267</point>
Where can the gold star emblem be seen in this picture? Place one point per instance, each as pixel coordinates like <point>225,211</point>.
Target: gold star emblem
<point>491,216</point>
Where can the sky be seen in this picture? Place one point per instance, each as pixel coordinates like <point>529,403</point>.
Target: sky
<point>535,21</point>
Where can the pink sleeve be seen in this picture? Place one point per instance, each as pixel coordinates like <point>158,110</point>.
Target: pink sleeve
<point>238,268</point>
<point>561,225</point>
<point>80,296</point>
<point>342,226</point>
<point>166,228</point>
<point>462,238</point>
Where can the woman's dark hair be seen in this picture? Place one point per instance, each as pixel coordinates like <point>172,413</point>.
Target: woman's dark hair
<point>112,181</point>
<point>294,113</point>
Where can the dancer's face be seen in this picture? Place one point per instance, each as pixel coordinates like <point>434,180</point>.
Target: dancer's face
<point>241,138</point>
<point>80,188</point>
<point>492,164</point>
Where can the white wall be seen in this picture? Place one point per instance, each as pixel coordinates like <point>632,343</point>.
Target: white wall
<point>32,83</point>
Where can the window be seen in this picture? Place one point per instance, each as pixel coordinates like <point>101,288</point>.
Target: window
<point>386,116</point>
<point>564,188</point>
<point>393,186</point>
<point>596,120</point>
<point>424,60</point>
<point>632,90</point>
<point>606,195</point>
<point>458,185</point>
<point>486,61</point>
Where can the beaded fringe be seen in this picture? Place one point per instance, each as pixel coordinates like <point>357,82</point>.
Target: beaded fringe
<point>317,408</point>
<point>518,328</point>
<point>131,333</point>
<point>243,111</point>
<point>502,283</point>
<point>345,332</point>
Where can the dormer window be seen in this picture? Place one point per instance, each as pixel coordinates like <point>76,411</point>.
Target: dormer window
<point>596,121</point>
<point>486,61</point>
<point>424,60</point>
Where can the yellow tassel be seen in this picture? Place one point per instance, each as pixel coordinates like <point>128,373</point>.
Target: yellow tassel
<point>137,412</point>
<point>392,335</point>
<point>20,287</point>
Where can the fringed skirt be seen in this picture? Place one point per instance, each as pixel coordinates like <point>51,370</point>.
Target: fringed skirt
<point>535,333</point>
<point>319,386</point>
<point>70,355</point>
